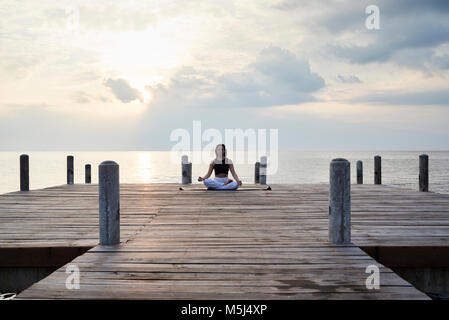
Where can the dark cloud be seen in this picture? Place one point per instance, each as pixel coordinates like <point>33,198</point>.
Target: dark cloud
<point>410,30</point>
<point>418,6</point>
<point>282,66</point>
<point>277,77</point>
<point>123,90</point>
<point>395,39</point>
<point>352,14</point>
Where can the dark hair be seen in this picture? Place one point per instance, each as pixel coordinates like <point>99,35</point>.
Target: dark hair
<point>223,152</point>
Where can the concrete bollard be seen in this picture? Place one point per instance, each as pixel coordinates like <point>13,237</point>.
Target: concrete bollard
<point>424,173</point>
<point>70,171</point>
<point>377,170</point>
<point>186,167</point>
<point>257,173</point>
<point>88,174</point>
<point>340,201</point>
<point>109,203</point>
<point>24,173</point>
<point>359,172</point>
<point>263,170</point>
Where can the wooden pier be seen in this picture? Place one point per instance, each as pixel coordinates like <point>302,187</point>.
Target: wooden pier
<point>198,244</point>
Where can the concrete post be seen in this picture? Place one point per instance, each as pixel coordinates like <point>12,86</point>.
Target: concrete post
<point>24,173</point>
<point>88,174</point>
<point>263,170</point>
<point>377,170</point>
<point>359,172</point>
<point>70,171</point>
<point>340,201</point>
<point>186,167</point>
<point>257,173</point>
<point>424,173</point>
<point>109,203</point>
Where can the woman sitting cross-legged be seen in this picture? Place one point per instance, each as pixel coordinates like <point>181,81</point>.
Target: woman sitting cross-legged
<point>221,165</point>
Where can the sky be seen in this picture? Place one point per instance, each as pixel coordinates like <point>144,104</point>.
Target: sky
<point>122,75</point>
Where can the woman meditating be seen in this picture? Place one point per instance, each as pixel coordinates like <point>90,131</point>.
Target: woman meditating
<point>221,165</point>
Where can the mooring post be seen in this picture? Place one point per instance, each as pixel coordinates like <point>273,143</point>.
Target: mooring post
<point>424,173</point>
<point>340,201</point>
<point>88,174</point>
<point>24,173</point>
<point>377,170</point>
<point>109,203</point>
<point>263,170</point>
<point>359,172</point>
<point>70,170</point>
<point>186,167</point>
<point>257,173</point>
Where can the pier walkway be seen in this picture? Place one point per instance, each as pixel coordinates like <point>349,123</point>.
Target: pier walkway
<point>198,244</point>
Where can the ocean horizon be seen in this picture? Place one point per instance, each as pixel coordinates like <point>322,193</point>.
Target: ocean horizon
<point>399,168</point>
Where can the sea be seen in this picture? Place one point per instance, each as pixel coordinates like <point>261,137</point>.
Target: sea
<point>399,168</point>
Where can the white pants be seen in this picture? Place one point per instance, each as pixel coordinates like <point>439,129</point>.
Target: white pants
<point>219,184</point>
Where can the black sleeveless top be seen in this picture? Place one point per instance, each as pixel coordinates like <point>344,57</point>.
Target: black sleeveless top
<point>221,168</point>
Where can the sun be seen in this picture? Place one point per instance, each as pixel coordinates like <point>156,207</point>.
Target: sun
<point>160,47</point>
<point>146,95</point>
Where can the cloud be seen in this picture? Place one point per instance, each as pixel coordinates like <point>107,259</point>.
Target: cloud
<point>441,62</point>
<point>229,82</point>
<point>122,16</point>
<point>123,90</point>
<point>276,77</point>
<point>353,16</point>
<point>433,97</point>
<point>81,97</point>
<point>348,79</point>
<point>395,40</point>
<point>409,32</point>
<point>284,67</point>
<point>119,16</point>
<point>416,6</point>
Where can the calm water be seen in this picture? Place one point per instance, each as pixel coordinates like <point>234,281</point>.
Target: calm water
<point>49,168</point>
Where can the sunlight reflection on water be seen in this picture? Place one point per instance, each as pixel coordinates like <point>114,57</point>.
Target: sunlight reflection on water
<point>49,168</point>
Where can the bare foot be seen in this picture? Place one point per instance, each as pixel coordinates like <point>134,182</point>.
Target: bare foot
<point>228,182</point>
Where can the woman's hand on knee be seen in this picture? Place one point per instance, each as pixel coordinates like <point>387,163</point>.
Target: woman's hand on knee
<point>239,182</point>
<point>200,179</point>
